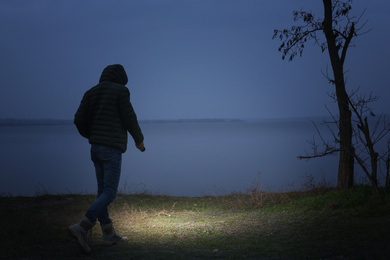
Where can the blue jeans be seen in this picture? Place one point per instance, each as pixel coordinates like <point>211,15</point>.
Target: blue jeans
<point>107,161</point>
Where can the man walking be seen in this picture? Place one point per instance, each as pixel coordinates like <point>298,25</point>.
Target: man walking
<point>104,117</point>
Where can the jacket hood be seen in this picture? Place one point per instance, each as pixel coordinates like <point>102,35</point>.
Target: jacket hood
<point>114,73</point>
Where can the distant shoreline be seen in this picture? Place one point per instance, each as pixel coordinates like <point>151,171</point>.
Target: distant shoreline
<point>53,122</point>
<point>34,122</point>
<point>49,122</point>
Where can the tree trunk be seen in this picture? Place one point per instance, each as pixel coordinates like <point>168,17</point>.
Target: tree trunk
<point>346,163</point>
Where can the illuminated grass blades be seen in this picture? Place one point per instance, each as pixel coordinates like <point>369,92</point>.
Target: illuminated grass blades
<point>312,224</point>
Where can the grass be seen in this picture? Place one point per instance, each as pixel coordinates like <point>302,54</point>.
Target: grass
<point>315,224</point>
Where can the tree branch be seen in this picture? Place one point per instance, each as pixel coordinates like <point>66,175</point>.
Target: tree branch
<point>347,42</point>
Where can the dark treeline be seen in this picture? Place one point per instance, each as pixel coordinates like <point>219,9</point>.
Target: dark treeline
<point>41,122</point>
<point>33,122</point>
<point>191,120</point>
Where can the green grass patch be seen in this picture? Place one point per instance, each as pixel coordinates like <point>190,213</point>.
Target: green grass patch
<point>317,224</point>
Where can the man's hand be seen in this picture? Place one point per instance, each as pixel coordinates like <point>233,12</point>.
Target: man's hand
<point>141,147</point>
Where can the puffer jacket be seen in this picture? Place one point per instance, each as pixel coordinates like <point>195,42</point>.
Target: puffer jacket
<point>105,114</point>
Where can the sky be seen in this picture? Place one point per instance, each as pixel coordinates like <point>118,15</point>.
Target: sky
<point>185,59</point>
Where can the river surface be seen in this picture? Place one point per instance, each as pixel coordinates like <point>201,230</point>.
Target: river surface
<point>181,159</point>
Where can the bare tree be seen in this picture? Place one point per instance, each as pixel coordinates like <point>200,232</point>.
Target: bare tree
<point>387,167</point>
<point>365,154</point>
<point>367,133</point>
<point>339,28</point>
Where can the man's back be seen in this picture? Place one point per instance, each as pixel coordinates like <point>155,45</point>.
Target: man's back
<point>106,114</point>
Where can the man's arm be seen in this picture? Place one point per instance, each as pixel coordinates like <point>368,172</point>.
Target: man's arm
<point>81,119</point>
<point>129,119</point>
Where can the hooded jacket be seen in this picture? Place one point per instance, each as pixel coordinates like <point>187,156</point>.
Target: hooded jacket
<point>105,114</point>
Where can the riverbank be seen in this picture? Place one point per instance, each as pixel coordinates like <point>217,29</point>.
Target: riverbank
<point>316,224</point>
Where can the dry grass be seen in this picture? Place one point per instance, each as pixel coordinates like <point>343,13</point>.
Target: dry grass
<point>258,225</point>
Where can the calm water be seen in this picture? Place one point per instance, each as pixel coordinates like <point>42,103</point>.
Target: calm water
<point>190,159</point>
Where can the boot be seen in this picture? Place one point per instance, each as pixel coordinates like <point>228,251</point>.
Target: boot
<point>80,231</point>
<point>110,237</point>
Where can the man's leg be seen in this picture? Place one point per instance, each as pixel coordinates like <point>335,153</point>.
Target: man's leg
<point>108,166</point>
<point>107,163</point>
